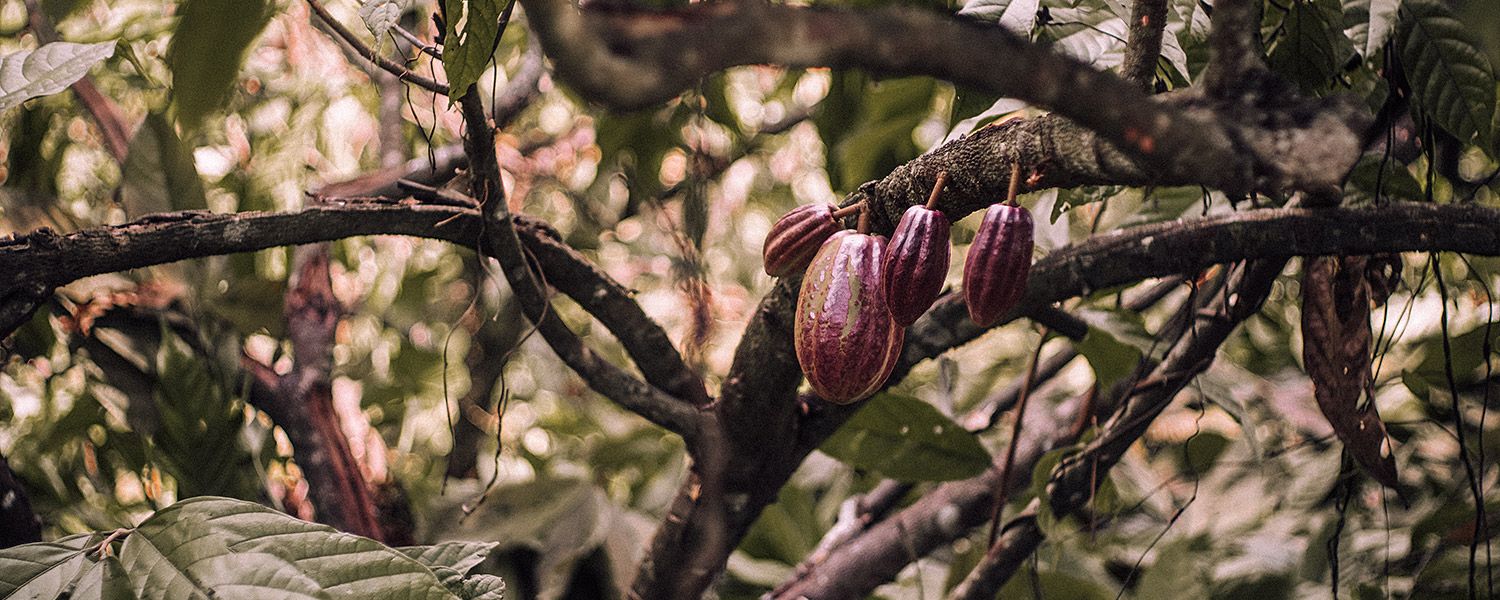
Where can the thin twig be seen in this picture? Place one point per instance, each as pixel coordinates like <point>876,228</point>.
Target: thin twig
<point>371,55</point>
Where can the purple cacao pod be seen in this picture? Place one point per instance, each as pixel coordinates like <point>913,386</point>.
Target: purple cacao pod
<point>997,265</point>
<point>916,263</point>
<point>846,341</point>
<point>796,237</point>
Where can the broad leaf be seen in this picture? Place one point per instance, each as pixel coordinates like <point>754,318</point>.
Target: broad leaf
<point>47,70</point>
<point>876,120</point>
<point>105,580</point>
<point>217,542</point>
<point>906,439</point>
<point>207,50</point>
<point>461,556</point>
<point>1114,345</point>
<point>1312,45</point>
<point>41,570</point>
<point>1018,16</point>
<point>467,51</point>
<point>1369,23</point>
<point>380,16</point>
<point>1336,350</point>
<point>1452,81</point>
<point>159,174</point>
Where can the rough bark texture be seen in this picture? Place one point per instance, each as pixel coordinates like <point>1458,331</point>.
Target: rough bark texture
<point>340,493</point>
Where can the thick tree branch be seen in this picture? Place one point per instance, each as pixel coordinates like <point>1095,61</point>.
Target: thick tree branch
<point>46,259</point>
<point>339,491</point>
<point>631,59</point>
<point>1236,65</point>
<point>1148,20</point>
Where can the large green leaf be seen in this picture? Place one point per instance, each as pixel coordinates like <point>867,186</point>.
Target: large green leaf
<point>207,50</point>
<point>229,544</point>
<point>1452,81</point>
<point>1016,15</point>
<point>1114,345</point>
<point>467,51</point>
<point>105,580</point>
<point>159,174</point>
<point>1312,45</point>
<point>47,70</point>
<point>907,439</point>
<point>461,556</point>
<point>876,137</point>
<point>41,570</point>
<point>1369,23</point>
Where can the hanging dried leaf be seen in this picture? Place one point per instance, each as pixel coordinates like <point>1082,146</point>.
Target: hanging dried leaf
<point>1336,294</point>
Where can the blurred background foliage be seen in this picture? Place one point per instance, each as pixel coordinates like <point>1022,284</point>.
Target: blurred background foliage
<point>121,397</point>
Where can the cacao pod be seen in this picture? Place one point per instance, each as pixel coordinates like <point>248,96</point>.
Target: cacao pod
<point>796,237</point>
<point>997,265</point>
<point>846,341</point>
<point>916,263</point>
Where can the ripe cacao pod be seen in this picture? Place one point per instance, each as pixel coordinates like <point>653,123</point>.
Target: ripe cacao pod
<point>846,341</point>
<point>997,265</point>
<point>796,237</point>
<point>916,263</point>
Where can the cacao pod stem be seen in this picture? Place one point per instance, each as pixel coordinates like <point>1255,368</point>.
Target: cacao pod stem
<point>937,189</point>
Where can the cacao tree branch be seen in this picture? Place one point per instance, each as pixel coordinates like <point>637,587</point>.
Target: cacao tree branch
<point>1148,20</point>
<point>1075,479</point>
<point>499,238</point>
<point>1236,64</point>
<point>634,58</point>
<point>369,54</point>
<point>339,491</point>
<point>875,504</point>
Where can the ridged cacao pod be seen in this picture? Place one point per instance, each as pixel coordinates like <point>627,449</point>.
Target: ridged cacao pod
<point>916,263</point>
<point>846,341</point>
<point>997,265</point>
<point>796,237</point>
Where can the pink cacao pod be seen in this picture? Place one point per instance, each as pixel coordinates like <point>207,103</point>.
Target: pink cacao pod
<point>796,237</point>
<point>846,341</point>
<point>998,263</point>
<point>916,263</point>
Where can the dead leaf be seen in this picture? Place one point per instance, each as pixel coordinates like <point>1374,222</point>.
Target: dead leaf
<point>1336,297</point>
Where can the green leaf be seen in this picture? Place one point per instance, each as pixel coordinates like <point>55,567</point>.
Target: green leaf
<point>906,439</point>
<point>221,543</point>
<point>380,16</point>
<point>876,121</point>
<point>483,587</point>
<point>47,70</point>
<point>1114,345</point>
<point>105,580</point>
<point>1451,79</point>
<point>1312,46</point>
<point>1018,16</point>
<point>159,174</point>
<point>207,50</point>
<point>467,52</point>
<point>41,570</point>
<point>461,556</point>
<point>1369,23</point>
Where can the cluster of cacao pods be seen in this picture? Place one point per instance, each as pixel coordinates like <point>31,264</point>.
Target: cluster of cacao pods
<point>859,293</point>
